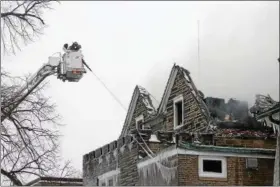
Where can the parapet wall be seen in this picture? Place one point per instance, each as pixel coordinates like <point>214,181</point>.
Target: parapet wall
<point>121,154</point>
<point>108,148</point>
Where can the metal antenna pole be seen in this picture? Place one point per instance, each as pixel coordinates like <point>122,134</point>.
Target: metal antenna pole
<point>198,53</point>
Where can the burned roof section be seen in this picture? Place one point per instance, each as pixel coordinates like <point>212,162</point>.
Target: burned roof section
<point>219,114</point>
<point>142,95</point>
<point>264,106</point>
<point>234,116</point>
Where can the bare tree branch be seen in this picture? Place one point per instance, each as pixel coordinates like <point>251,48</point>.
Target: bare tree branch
<point>21,21</point>
<point>30,136</point>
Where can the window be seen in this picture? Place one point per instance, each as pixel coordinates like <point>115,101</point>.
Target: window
<point>212,167</point>
<point>140,122</point>
<point>178,106</point>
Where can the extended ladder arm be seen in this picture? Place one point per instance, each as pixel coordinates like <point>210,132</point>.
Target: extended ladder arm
<point>45,71</point>
<point>70,67</point>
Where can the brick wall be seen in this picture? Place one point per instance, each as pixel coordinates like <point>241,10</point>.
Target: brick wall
<point>128,167</point>
<point>97,163</point>
<point>193,117</point>
<point>237,174</point>
<point>122,154</point>
<point>261,177</point>
<point>249,142</point>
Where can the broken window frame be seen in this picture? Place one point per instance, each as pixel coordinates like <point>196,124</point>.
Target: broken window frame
<point>202,173</point>
<point>137,120</point>
<point>176,100</point>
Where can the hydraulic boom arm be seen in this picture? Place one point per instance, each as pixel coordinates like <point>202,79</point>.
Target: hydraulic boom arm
<point>70,67</point>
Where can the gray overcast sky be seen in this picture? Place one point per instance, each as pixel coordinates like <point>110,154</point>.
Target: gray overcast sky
<point>129,43</point>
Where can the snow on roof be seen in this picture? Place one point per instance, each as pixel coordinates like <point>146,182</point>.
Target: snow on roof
<point>147,100</point>
<point>153,138</point>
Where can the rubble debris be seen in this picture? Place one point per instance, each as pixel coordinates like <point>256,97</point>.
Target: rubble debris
<point>262,104</point>
<point>244,133</point>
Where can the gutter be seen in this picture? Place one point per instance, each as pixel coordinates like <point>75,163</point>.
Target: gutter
<point>239,150</point>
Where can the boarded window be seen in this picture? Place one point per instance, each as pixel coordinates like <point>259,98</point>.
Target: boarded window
<point>212,166</point>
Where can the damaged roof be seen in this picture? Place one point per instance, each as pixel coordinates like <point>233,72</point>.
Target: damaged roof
<point>220,115</point>
<point>145,96</point>
<point>264,106</point>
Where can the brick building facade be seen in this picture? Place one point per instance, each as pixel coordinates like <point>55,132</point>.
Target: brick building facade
<point>186,140</point>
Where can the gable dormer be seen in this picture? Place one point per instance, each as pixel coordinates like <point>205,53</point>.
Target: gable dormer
<point>182,103</point>
<point>141,108</point>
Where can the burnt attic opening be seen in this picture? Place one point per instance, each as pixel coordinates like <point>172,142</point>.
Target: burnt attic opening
<point>212,166</point>
<point>179,112</point>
